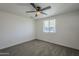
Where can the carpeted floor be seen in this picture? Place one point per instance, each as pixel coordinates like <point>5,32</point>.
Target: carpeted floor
<point>39,48</point>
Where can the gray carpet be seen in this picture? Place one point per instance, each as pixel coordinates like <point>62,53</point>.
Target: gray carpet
<point>39,48</point>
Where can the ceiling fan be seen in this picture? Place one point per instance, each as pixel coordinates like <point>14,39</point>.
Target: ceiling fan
<point>38,9</point>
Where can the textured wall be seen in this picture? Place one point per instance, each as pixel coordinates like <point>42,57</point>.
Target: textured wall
<point>67,30</point>
<point>15,29</point>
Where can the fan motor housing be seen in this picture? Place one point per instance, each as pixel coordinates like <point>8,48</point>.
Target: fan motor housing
<point>38,8</point>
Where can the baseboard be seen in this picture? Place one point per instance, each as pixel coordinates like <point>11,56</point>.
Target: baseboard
<point>44,41</point>
<point>16,44</point>
<point>59,44</point>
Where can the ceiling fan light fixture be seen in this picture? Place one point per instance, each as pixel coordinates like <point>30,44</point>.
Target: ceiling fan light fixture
<point>38,13</point>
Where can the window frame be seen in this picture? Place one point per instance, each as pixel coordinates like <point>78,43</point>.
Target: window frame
<point>49,26</point>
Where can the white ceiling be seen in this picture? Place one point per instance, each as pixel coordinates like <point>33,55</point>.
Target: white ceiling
<point>56,8</point>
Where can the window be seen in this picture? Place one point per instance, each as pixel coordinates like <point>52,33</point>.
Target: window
<point>49,26</point>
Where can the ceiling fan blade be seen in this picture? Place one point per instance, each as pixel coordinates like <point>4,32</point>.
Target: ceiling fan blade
<point>43,13</point>
<point>46,8</point>
<point>30,11</point>
<point>33,5</point>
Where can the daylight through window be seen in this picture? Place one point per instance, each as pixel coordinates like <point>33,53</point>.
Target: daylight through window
<point>49,26</point>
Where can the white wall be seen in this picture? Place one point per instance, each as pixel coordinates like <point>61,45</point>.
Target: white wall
<point>67,30</point>
<point>15,29</point>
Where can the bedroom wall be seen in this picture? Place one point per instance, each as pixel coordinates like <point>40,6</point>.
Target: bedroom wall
<point>15,29</point>
<point>67,30</point>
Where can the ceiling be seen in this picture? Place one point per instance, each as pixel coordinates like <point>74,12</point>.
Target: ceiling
<point>56,8</point>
